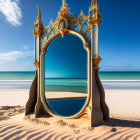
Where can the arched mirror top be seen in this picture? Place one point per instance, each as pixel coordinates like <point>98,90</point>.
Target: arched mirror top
<point>67,21</point>
<point>46,43</point>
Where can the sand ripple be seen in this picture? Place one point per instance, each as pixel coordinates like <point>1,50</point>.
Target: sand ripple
<point>18,128</point>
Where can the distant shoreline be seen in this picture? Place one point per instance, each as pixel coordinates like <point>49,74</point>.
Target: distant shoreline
<point>125,80</point>
<point>99,71</point>
<point>71,84</point>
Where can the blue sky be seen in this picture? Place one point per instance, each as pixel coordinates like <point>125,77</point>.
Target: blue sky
<point>119,32</point>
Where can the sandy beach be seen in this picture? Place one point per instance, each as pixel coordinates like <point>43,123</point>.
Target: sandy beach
<point>124,123</point>
<point>64,95</point>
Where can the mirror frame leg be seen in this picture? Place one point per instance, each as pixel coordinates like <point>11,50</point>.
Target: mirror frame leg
<point>103,104</point>
<point>39,109</point>
<point>30,105</point>
<point>96,112</point>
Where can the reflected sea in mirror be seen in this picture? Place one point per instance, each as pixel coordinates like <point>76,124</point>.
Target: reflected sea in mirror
<point>66,107</point>
<point>67,85</point>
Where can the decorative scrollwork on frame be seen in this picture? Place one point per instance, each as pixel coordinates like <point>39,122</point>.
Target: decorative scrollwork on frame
<point>80,25</point>
<point>48,32</point>
<point>66,20</point>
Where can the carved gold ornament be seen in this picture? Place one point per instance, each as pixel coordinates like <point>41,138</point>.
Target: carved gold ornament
<point>94,13</point>
<point>66,20</point>
<point>38,25</point>
<point>67,23</point>
<point>96,61</point>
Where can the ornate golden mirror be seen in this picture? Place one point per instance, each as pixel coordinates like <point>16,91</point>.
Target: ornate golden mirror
<point>52,47</point>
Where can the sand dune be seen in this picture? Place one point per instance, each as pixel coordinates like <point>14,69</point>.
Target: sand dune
<point>18,128</point>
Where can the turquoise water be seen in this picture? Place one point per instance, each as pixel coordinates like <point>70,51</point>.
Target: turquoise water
<point>110,80</point>
<point>103,75</point>
<point>17,75</point>
<point>67,85</point>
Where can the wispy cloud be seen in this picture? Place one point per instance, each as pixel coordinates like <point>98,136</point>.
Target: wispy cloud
<point>13,56</point>
<point>12,11</point>
<point>10,56</point>
<point>18,60</point>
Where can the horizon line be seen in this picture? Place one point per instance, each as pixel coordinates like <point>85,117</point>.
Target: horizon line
<point>99,71</point>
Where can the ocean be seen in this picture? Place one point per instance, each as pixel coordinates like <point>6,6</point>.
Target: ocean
<point>110,80</point>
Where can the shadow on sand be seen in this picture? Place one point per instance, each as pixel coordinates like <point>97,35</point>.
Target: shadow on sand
<point>122,123</point>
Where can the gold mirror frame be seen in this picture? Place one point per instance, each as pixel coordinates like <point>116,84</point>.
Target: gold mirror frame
<point>42,74</point>
<point>95,106</point>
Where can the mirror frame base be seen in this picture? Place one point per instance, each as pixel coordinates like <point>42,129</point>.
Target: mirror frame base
<point>39,110</point>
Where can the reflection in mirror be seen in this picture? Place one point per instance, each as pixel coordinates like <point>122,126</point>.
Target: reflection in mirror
<point>66,75</point>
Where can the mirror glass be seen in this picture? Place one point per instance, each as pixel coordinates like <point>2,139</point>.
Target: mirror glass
<point>66,75</point>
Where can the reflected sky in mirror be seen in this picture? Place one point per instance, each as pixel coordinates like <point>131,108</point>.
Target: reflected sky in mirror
<point>66,58</point>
